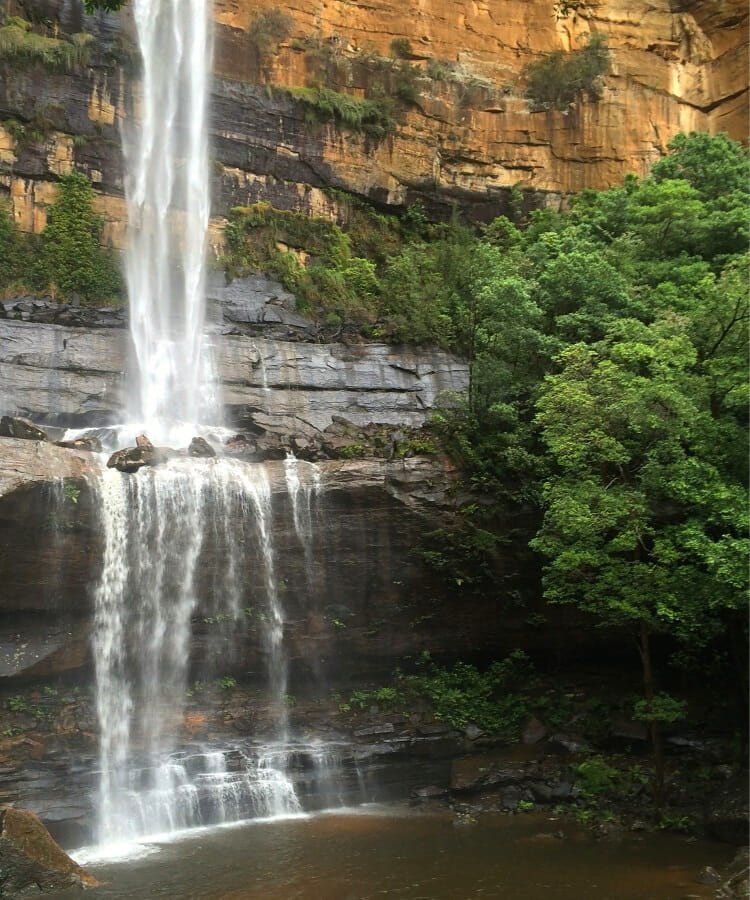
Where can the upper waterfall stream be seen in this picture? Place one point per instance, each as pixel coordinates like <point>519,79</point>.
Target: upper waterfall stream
<point>167,188</point>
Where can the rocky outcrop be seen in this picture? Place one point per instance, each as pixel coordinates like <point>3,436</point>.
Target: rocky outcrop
<point>31,862</point>
<point>468,138</point>
<point>75,377</point>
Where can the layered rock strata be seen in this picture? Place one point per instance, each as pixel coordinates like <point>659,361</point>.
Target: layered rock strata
<point>466,135</point>
<point>75,376</point>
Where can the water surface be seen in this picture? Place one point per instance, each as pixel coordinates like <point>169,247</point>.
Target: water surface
<point>412,856</point>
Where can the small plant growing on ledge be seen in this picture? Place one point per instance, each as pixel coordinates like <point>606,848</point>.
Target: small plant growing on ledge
<point>401,48</point>
<point>321,104</point>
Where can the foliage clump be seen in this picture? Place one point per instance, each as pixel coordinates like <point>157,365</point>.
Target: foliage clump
<point>71,254</point>
<point>20,45</point>
<point>560,79</point>
<point>66,259</point>
<point>268,29</point>
<point>350,112</point>
<point>606,418</point>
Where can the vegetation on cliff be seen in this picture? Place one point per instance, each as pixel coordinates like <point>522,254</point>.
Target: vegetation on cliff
<point>607,414</point>
<point>20,45</point>
<point>66,259</point>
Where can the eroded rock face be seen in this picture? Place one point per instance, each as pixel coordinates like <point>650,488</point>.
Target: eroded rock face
<point>74,377</point>
<point>31,862</point>
<point>357,599</point>
<point>467,139</point>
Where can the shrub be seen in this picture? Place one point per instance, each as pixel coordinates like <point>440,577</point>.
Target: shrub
<point>405,88</point>
<point>268,29</point>
<point>596,777</point>
<point>19,44</point>
<point>74,260</point>
<point>560,79</point>
<point>321,104</point>
<point>463,694</point>
<point>401,48</point>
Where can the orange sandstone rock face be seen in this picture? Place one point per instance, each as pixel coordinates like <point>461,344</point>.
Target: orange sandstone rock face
<point>675,66</point>
<point>468,137</point>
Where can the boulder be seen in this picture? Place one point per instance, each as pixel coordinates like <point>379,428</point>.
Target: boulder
<point>200,448</point>
<point>87,444</point>
<point>30,860</point>
<point>534,731</point>
<point>130,459</point>
<point>16,427</point>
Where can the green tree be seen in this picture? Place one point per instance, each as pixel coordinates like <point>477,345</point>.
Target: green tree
<point>645,523</point>
<point>72,254</point>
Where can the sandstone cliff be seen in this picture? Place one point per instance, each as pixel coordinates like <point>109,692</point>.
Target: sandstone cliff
<point>466,136</point>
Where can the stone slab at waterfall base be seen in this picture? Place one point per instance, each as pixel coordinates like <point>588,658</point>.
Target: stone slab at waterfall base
<point>31,862</point>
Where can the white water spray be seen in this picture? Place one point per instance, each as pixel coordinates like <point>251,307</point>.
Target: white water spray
<point>154,576</point>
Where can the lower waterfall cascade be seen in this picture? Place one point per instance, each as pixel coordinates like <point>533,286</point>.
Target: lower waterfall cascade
<point>155,580</point>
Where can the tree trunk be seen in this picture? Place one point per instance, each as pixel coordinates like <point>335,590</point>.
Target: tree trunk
<point>653,726</point>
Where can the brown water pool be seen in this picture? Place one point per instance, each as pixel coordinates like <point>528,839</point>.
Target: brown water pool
<point>408,855</point>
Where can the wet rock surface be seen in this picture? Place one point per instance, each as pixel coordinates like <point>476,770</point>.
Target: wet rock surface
<point>30,861</point>
<point>23,429</point>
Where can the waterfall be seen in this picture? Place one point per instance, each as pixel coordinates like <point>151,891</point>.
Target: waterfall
<point>158,571</point>
<point>167,189</point>
<point>301,494</point>
<point>177,535</point>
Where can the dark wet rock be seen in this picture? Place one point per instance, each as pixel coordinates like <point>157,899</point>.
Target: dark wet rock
<point>30,860</point>
<point>430,792</point>
<point>708,875</point>
<point>200,447</point>
<point>606,831</point>
<point>628,730</point>
<point>241,447</point>
<point>433,728</point>
<point>87,444</point>
<point>473,731</point>
<point>16,427</point>
<point>130,459</point>
<point>512,795</point>
<point>541,791</point>
<point>735,883</point>
<point>534,731</point>
<point>680,743</point>
<point>563,790</point>
<point>727,813</point>
<point>568,743</point>
<point>384,728</point>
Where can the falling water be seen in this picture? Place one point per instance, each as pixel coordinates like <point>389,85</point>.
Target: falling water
<point>302,492</point>
<point>176,536</point>
<point>167,188</point>
<point>154,578</point>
